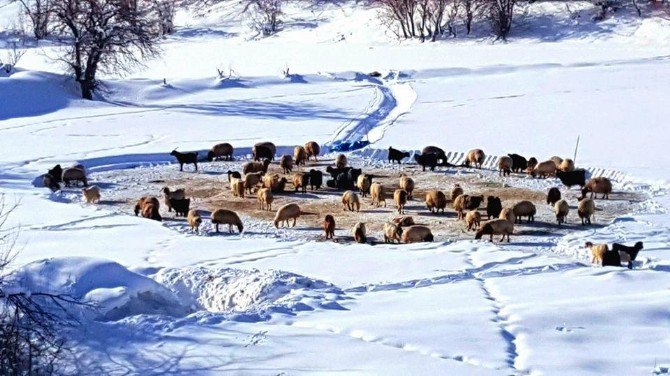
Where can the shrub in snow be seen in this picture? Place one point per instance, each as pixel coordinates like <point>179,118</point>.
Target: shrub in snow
<point>265,16</point>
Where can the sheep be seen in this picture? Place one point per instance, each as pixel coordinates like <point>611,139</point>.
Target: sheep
<point>597,252</point>
<point>532,163</point>
<point>519,163</point>
<point>315,179</point>
<point>186,158</point>
<point>251,180</point>
<point>300,155</point>
<point>586,209</point>
<point>359,232</point>
<point>312,149</point>
<point>300,181</point>
<point>561,209</point>
<point>233,174</point>
<point>400,199</point>
<point>180,206</point>
<point>329,226</point>
<point>441,155</point>
<point>476,157</point>
<point>378,194</point>
<point>264,150</point>
<point>524,209</point>
<point>275,183</point>
<point>493,207</point>
<point>557,160</point>
<point>335,172</point>
<point>407,184</point>
<point>219,151</point>
<point>226,217</point>
<point>404,221</point>
<point>51,182</point>
<point>395,155</point>
<point>392,232</point>
<point>57,173</point>
<point>194,220</point>
<point>341,161</point>
<point>149,207</point>
<point>436,201</point>
<point>74,175</point>
<point>473,219</point>
<point>496,227</point>
<point>350,201</point>
<point>265,198</point>
<point>570,178</point>
<point>553,196</point>
<point>168,194</point>
<point>289,211</point>
<point>505,164</point>
<point>424,160</point>
<point>363,183</point>
<point>91,194</point>
<point>416,234</point>
<point>286,163</point>
<point>508,214</point>
<point>598,185</point>
<point>237,187</point>
<point>256,166</point>
<point>567,165</point>
<point>459,205</point>
<point>544,169</point>
<point>629,252</point>
<point>473,202</point>
<point>456,191</point>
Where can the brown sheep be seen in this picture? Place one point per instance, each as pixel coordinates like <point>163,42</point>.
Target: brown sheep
<point>237,187</point>
<point>457,191</point>
<point>301,181</point>
<point>313,150</point>
<point>149,207</point>
<point>496,227</point>
<point>404,221</point>
<point>392,232</point>
<point>359,232</point>
<point>508,214</point>
<point>265,198</point>
<point>400,199</point>
<point>473,219</point>
<point>378,194</point>
<point>286,163</point>
<point>567,165</point>
<point>250,167</point>
<point>553,196</point>
<point>504,165</point>
<point>476,157</point>
<point>363,183</point>
<point>287,212</point>
<point>524,209</point>
<point>74,175</point>
<point>407,184</point>
<point>226,217</point>
<point>544,169</point>
<point>274,182</point>
<point>597,252</point>
<point>91,194</point>
<point>341,161</point>
<point>177,194</point>
<point>259,148</point>
<point>329,226</point>
<point>436,201</point>
<point>219,151</point>
<point>586,209</point>
<point>251,180</point>
<point>350,201</point>
<point>561,209</point>
<point>459,205</point>
<point>194,220</point>
<point>598,185</point>
<point>300,155</point>
<point>417,234</point>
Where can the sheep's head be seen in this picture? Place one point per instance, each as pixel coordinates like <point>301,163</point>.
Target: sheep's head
<point>479,233</point>
<point>266,162</point>
<point>165,190</point>
<point>588,245</point>
<point>639,245</point>
<point>210,156</point>
<point>174,152</point>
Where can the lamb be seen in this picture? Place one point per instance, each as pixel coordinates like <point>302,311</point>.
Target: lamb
<point>544,169</point>
<point>167,194</point>
<point>220,151</point>
<point>256,167</point>
<point>505,164</point>
<point>312,149</point>
<point>400,199</point>
<point>586,209</point>
<point>359,233</point>
<point>287,212</point>
<point>473,219</point>
<point>436,201</point>
<point>264,150</point>
<point>395,155</point>
<point>629,252</point>
<point>194,220</point>
<point>286,163</point>
<point>557,160</point>
<point>476,157</point>
<point>180,206</point>
<point>553,196</point>
<point>233,174</point>
<point>57,173</point>
<point>424,160</point>
<point>457,191</point>
<point>561,209</point>
<point>237,187</point>
<point>473,202</point>
<point>459,205</point>
<point>341,161</point>
<point>597,252</point>
<point>524,209</point>
<point>329,226</point>
<point>274,183</point>
<point>378,194</point>
<point>301,181</point>
<point>496,227</point>
<point>416,234</point>
<point>315,179</point>
<point>51,182</point>
<point>507,214</point>
<point>404,221</point>
<point>74,175</point>
<point>363,183</point>
<point>441,155</point>
<point>493,207</point>
<point>265,198</point>
<point>598,185</point>
<point>251,180</point>
<point>407,184</point>
<point>300,155</point>
<point>519,163</point>
<point>570,178</point>
<point>186,158</point>
<point>567,165</point>
<point>91,194</point>
<point>226,217</point>
<point>350,201</point>
<point>532,163</point>
<point>392,232</point>
<point>149,207</point>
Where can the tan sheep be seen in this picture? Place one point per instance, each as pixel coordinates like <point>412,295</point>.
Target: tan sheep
<point>287,212</point>
<point>476,157</point>
<point>508,214</point>
<point>177,194</point>
<point>400,199</point>
<point>459,205</point>
<point>194,220</point>
<point>359,232</point>
<point>392,232</point>
<point>251,180</point>
<point>301,181</point>
<point>557,160</point>
<point>226,217</point>
<point>91,194</point>
<point>149,207</point>
<point>586,209</point>
<point>561,209</point>
<point>363,183</point>
<point>567,165</point>
<point>286,163</point>
<point>300,155</point>
<point>598,185</point>
<point>504,165</point>
<point>407,184</point>
<point>250,167</point>
<point>313,149</point>
<point>341,161</point>
<point>473,219</point>
<point>274,183</point>
<point>237,187</point>
<point>404,221</point>
<point>544,169</point>
<point>524,209</point>
<point>457,191</point>
<point>265,198</point>
<point>350,201</point>
<point>378,194</point>
<point>436,201</point>
<point>496,227</point>
<point>417,234</point>
<point>597,252</point>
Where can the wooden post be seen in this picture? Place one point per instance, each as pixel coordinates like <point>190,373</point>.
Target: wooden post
<point>576,147</point>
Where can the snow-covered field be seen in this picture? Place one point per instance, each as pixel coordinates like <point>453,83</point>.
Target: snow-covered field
<point>176,303</point>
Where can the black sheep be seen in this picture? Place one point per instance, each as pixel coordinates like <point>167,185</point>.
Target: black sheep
<point>570,178</point>
<point>335,172</point>
<point>493,207</point>
<point>519,163</point>
<point>396,155</point>
<point>261,152</point>
<point>233,174</point>
<point>631,251</point>
<point>56,173</point>
<point>50,182</point>
<point>426,159</point>
<point>353,175</point>
<point>180,206</point>
<point>553,196</point>
<point>473,202</point>
<point>611,258</point>
<point>186,158</point>
<point>315,178</point>
<point>441,156</point>
<point>344,182</point>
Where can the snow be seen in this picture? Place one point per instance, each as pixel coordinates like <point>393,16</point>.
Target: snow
<point>282,302</point>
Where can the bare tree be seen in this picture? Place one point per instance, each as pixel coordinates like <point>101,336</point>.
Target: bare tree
<point>12,55</point>
<point>165,10</point>
<point>471,10</point>
<point>39,13</point>
<point>266,16</point>
<point>500,14</point>
<point>107,35</point>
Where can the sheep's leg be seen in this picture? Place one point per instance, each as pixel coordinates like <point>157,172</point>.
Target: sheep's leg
<point>294,221</point>
<point>216,226</point>
<point>196,167</point>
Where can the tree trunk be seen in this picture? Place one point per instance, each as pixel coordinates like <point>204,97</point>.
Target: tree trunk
<point>86,89</point>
